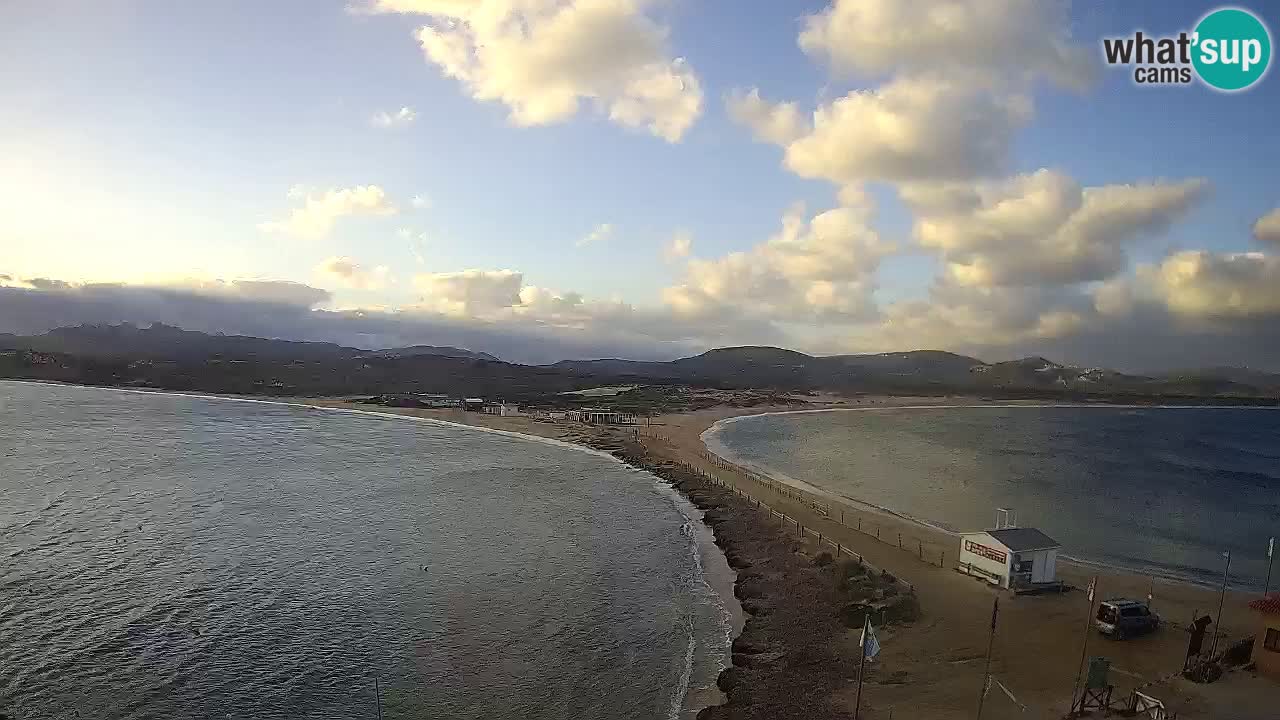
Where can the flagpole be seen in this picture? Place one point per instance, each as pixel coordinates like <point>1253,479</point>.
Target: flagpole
<point>1084,645</point>
<point>1217,623</point>
<point>1271,556</point>
<point>986,673</point>
<point>862,664</point>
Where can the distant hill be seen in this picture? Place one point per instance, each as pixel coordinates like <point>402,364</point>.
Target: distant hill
<point>160,341</point>
<point>1215,376</point>
<point>779,368</point>
<point>166,356</point>
<point>925,371</point>
<point>452,352</point>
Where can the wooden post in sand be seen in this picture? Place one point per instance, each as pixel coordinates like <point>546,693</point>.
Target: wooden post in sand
<point>1084,646</point>
<point>991,641</point>
<point>1217,622</point>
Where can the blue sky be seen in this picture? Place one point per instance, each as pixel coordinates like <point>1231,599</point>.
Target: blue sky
<point>148,142</point>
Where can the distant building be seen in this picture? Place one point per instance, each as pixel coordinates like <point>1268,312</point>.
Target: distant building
<point>1013,558</point>
<point>436,400</point>
<point>473,404</point>
<point>1266,646</point>
<point>601,416</point>
<point>502,410</point>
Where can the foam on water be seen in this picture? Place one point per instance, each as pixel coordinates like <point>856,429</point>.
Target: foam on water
<point>175,555</point>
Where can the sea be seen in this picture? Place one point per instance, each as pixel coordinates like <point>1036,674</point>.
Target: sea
<point>1160,491</point>
<point>169,556</point>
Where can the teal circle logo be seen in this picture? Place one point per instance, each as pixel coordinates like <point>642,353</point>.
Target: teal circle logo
<point>1232,49</point>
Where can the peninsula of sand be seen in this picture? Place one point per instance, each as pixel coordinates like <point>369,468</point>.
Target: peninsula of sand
<point>798,653</point>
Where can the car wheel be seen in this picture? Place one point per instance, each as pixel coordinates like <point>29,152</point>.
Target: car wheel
<point>1118,634</point>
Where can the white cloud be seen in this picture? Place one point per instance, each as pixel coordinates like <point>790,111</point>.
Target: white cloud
<point>1208,285</point>
<point>543,58</point>
<point>910,129</point>
<point>1041,228</point>
<point>398,119</point>
<point>470,293</point>
<point>1267,228</point>
<point>349,273</point>
<point>418,242</point>
<point>968,319</point>
<point>959,79</point>
<point>985,38</point>
<point>599,233</point>
<point>318,214</point>
<point>279,292</point>
<point>421,201</point>
<point>679,247</point>
<point>780,123</point>
<point>813,270</point>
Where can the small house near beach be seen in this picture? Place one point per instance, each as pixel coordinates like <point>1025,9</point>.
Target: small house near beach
<point>1266,644</point>
<point>1014,558</point>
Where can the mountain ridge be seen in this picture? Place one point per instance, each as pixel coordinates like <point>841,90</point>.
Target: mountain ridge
<point>749,366</point>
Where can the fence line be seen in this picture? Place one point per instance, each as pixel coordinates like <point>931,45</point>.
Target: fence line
<point>785,520</point>
<point>927,550</point>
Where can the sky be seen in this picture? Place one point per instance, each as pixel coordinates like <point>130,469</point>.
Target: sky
<point>552,179</point>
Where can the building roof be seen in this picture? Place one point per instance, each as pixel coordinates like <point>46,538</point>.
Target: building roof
<point>1019,539</point>
<point>1270,605</point>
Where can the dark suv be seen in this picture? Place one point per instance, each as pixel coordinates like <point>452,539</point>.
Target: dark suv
<point>1121,618</point>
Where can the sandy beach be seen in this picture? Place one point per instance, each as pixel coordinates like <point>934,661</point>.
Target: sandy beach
<point>933,668</point>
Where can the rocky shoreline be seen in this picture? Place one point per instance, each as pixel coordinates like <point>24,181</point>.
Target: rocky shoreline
<point>797,655</point>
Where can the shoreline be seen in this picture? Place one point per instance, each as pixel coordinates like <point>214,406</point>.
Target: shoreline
<point>704,540</point>
<point>709,436</point>
<point>956,604</point>
<point>929,667</point>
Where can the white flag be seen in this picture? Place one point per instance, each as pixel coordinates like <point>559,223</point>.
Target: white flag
<point>1093,584</point>
<point>870,645</point>
<point>1271,547</point>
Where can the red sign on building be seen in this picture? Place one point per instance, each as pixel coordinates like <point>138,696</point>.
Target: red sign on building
<point>986,552</point>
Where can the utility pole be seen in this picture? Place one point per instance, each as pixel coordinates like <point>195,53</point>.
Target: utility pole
<point>1084,643</point>
<point>1271,552</point>
<point>1217,624</point>
<point>862,666</point>
<point>377,694</point>
<point>986,673</point>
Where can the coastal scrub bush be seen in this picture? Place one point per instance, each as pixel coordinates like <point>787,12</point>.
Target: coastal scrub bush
<point>823,559</point>
<point>848,569</point>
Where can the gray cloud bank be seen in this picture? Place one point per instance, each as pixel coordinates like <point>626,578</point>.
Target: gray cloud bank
<point>1124,325</point>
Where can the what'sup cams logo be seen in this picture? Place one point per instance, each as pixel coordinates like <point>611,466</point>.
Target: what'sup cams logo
<point>1229,50</point>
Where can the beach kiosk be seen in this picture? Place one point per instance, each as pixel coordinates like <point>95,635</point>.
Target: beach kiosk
<point>1014,558</point>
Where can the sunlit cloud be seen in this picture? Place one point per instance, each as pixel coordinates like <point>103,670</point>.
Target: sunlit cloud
<point>398,119</point>
<point>320,211</point>
<point>599,233</point>
<point>544,58</point>
<point>679,247</point>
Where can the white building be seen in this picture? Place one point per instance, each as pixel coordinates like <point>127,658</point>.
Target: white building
<point>601,416</point>
<point>1013,558</point>
<point>436,400</point>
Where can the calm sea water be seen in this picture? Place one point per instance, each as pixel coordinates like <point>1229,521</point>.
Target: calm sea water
<point>176,557</point>
<point>1156,490</point>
